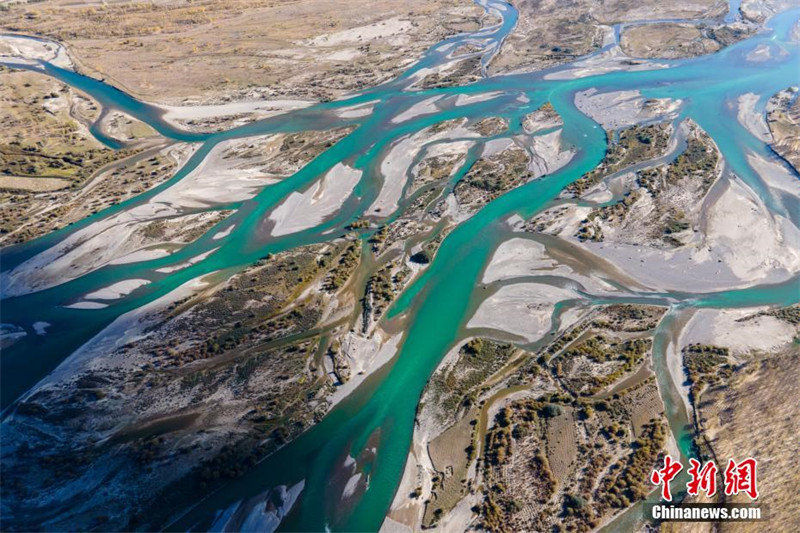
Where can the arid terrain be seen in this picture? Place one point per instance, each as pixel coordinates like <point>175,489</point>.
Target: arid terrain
<point>739,379</point>
<point>551,33</point>
<point>783,118</point>
<point>532,439</point>
<point>257,253</point>
<point>194,52</point>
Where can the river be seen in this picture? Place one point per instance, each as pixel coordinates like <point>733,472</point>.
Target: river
<point>381,412</point>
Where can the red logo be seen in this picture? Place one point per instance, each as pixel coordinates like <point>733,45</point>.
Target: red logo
<point>664,476</point>
<point>739,477</point>
<point>704,479</point>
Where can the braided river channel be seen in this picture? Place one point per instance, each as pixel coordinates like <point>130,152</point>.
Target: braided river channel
<point>380,413</point>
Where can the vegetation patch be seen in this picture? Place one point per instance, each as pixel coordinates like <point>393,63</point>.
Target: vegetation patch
<point>635,144</point>
<point>456,387</point>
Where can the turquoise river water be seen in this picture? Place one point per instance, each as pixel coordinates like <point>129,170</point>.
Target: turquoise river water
<point>436,306</point>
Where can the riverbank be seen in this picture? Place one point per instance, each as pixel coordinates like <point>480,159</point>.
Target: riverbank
<point>218,53</point>
<point>236,381</point>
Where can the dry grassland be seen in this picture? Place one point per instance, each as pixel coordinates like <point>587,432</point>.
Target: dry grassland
<point>213,50</point>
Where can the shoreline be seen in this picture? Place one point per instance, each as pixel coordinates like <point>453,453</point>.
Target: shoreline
<point>529,282</point>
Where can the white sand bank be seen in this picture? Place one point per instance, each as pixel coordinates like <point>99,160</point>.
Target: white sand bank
<point>496,146</point>
<point>228,174</point>
<point>99,350</point>
<point>519,257</point>
<point>547,154</point>
<point>117,290</point>
<point>722,327</point>
<point>516,258</point>
<point>745,244</point>
<point>395,166</point>
<point>611,60</point>
<point>41,327</point>
<point>467,99</point>
<point>222,177</point>
<point>259,109</point>
<point>523,309</point>
<point>29,50</point>
<point>118,239</point>
<point>224,233</point>
<point>365,356</point>
<point>395,29</point>
<point>194,260</point>
<point>750,118</point>
<point>620,109</point>
<point>260,512</point>
<point>301,211</point>
<point>775,174</point>
<point>425,107</point>
<point>145,254</point>
<point>356,111</point>
<point>86,305</point>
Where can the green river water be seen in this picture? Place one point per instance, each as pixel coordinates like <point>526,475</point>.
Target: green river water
<point>380,413</point>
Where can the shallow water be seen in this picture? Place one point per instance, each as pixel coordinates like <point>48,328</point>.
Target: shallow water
<point>437,305</point>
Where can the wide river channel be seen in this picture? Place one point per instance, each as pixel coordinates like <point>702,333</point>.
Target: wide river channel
<point>380,413</point>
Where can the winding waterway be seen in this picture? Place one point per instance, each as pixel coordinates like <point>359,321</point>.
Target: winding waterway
<point>380,413</point>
